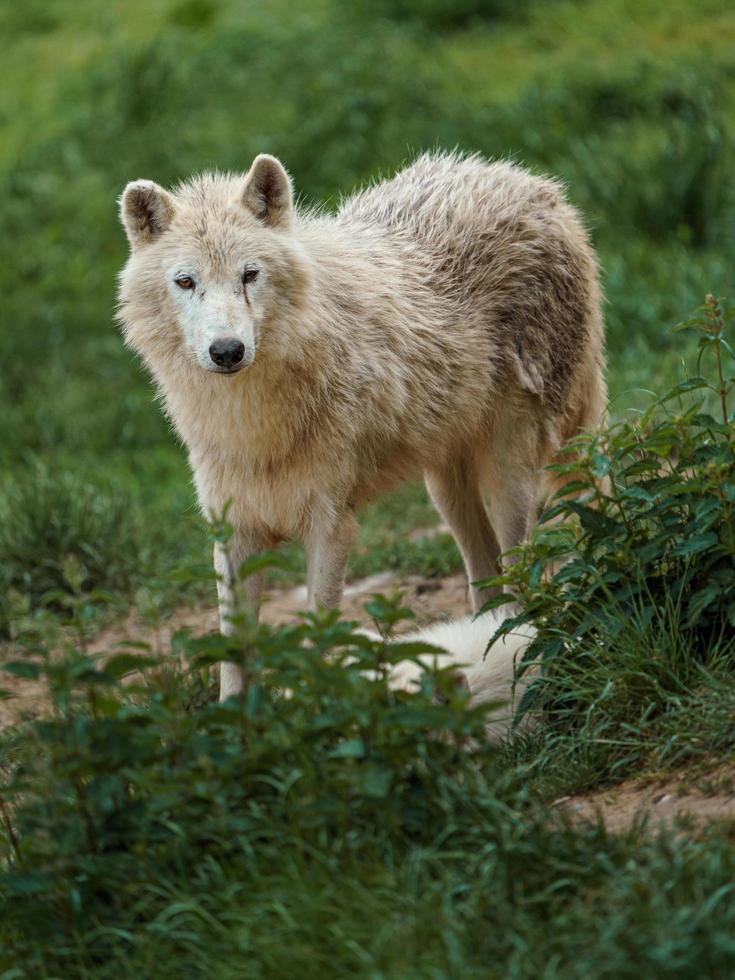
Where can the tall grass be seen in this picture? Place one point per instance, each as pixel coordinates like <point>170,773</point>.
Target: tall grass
<point>60,535</point>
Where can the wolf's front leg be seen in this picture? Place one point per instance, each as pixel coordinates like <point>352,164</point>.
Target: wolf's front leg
<point>328,548</point>
<point>235,596</point>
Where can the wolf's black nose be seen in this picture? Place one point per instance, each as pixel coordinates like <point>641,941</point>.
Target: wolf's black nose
<point>227,352</point>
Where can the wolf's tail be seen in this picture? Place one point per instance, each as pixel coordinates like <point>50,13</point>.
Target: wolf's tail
<point>490,679</point>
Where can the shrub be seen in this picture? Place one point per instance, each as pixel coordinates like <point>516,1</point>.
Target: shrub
<point>62,536</point>
<point>443,15</point>
<point>319,825</point>
<point>129,786</point>
<point>630,579</point>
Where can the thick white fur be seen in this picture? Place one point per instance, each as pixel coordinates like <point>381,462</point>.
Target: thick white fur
<point>490,675</point>
<point>443,323</point>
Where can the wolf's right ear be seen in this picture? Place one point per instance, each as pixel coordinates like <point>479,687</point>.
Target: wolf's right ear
<point>267,192</point>
<point>146,211</point>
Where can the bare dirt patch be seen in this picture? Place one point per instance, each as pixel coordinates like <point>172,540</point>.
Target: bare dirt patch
<point>687,800</point>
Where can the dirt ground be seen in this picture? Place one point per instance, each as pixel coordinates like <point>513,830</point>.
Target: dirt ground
<point>430,599</point>
<point>685,800</point>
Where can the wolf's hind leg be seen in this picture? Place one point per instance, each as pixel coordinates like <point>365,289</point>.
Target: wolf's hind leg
<point>512,475</point>
<point>513,507</point>
<point>513,504</point>
<point>455,490</point>
<point>328,548</point>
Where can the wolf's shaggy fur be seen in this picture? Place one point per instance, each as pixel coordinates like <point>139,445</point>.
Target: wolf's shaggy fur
<point>488,672</point>
<point>445,322</point>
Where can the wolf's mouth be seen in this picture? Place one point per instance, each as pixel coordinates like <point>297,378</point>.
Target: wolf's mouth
<point>228,370</point>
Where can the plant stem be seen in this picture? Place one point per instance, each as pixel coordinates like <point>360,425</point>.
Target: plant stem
<point>715,317</point>
<point>10,830</point>
<point>723,389</point>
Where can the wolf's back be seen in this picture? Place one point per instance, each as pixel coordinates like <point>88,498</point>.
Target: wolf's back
<point>506,249</point>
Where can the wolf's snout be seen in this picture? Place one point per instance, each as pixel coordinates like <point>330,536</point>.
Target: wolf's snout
<point>227,353</point>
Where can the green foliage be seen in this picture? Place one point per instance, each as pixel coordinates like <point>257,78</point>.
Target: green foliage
<point>62,536</point>
<point>342,829</point>
<point>430,555</point>
<point>34,17</point>
<point>647,153</point>
<point>126,787</point>
<point>324,824</point>
<point>442,15</point>
<point>194,14</point>
<point>318,825</point>
<point>630,579</point>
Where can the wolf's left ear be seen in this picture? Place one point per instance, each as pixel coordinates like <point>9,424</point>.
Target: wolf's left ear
<point>268,193</point>
<point>146,211</point>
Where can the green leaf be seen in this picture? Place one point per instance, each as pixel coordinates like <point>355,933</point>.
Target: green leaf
<point>377,781</point>
<point>573,486</point>
<point>593,521</point>
<point>636,492</point>
<point>351,748</point>
<point>697,543</point>
<point>387,610</point>
<point>601,464</point>
<point>691,384</point>
<point>22,668</point>
<point>701,600</point>
<point>27,883</point>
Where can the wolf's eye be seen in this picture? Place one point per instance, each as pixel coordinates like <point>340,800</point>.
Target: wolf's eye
<point>184,282</point>
<point>249,275</point>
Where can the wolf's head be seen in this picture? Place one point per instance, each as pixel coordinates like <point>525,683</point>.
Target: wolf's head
<point>211,265</point>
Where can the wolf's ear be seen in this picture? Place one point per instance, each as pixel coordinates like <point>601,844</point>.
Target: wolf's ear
<point>146,211</point>
<point>267,192</point>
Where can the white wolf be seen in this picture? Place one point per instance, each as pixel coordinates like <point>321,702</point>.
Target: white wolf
<point>445,322</point>
<point>489,675</point>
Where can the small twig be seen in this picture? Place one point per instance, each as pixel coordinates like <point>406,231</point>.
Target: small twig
<point>715,318</point>
<point>10,830</point>
<point>86,816</point>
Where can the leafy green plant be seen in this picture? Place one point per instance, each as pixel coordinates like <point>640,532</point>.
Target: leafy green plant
<point>630,580</point>
<point>123,785</point>
<point>446,15</point>
<point>62,536</point>
<point>318,825</point>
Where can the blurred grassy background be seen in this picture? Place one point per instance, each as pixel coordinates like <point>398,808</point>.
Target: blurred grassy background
<point>631,102</point>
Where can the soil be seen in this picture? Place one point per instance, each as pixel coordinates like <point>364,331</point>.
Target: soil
<point>684,800</point>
